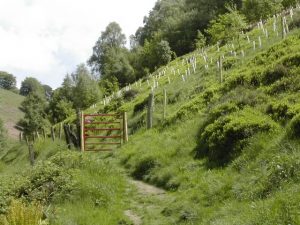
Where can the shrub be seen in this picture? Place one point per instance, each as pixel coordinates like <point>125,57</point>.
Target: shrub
<point>272,75</point>
<point>294,127</point>
<point>279,111</point>
<point>143,166</point>
<point>140,106</point>
<point>130,95</point>
<point>223,140</point>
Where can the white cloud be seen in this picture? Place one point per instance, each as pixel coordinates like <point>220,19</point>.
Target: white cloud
<point>48,38</point>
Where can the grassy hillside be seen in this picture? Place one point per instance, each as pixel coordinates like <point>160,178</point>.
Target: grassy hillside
<point>228,153</point>
<point>9,111</point>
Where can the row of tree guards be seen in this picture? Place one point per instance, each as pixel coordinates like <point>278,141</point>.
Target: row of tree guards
<point>280,25</point>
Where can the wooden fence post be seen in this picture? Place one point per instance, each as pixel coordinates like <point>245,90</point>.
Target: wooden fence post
<point>67,135</point>
<point>27,141</point>
<point>221,69</point>
<point>165,104</point>
<point>82,131</point>
<point>31,153</point>
<point>125,128</point>
<point>60,131</point>
<point>52,134</point>
<point>150,111</point>
<point>21,136</point>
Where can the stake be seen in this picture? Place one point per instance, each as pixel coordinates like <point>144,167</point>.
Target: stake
<point>150,111</point>
<point>82,131</point>
<point>221,69</point>
<point>165,104</point>
<point>125,128</point>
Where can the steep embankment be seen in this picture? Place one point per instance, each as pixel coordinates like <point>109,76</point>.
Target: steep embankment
<point>10,112</point>
<point>228,152</point>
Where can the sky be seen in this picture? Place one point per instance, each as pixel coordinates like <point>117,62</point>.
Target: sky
<point>47,39</point>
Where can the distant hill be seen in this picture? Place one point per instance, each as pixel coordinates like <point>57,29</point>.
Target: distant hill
<point>9,111</point>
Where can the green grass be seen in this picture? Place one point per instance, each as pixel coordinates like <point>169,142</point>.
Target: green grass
<point>9,111</point>
<point>227,153</point>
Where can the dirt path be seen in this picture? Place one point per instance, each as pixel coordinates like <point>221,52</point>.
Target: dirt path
<point>146,198</point>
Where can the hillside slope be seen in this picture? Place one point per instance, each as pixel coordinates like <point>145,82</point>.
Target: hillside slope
<point>228,151</point>
<point>10,112</point>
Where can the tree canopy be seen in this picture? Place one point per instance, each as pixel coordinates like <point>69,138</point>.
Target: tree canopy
<point>7,81</point>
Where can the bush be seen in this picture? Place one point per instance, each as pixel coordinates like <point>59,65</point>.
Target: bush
<point>130,95</point>
<point>140,106</point>
<point>223,140</point>
<point>294,127</point>
<point>275,74</point>
<point>143,167</point>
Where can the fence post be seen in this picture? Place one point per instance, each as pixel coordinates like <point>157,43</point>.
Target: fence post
<point>125,128</point>
<point>150,111</point>
<point>82,131</point>
<point>21,136</point>
<point>52,134</point>
<point>67,135</point>
<point>31,153</point>
<point>221,69</point>
<point>60,131</point>
<point>165,104</point>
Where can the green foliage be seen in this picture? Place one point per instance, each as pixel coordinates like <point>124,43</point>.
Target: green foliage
<point>31,85</point>
<point>227,27</point>
<point>295,23</point>
<point>200,41</point>
<point>255,9</point>
<point>156,53</point>
<point>294,127</point>
<point>21,214</point>
<point>7,81</point>
<point>86,91</point>
<point>130,95</point>
<point>223,139</point>
<point>34,114</point>
<point>109,86</point>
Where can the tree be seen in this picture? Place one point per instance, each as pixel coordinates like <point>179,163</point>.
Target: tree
<point>60,106</point>
<point>7,81</point>
<point>35,117</point>
<point>200,41</point>
<point>31,85</point>
<point>156,53</point>
<point>255,10</point>
<point>86,91</point>
<point>227,26</point>
<point>48,91</point>
<point>112,37</point>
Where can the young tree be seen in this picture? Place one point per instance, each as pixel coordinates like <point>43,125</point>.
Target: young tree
<point>112,37</point>
<point>255,10</point>
<point>200,41</point>
<point>35,117</point>
<point>86,91</point>
<point>7,81</point>
<point>31,85</point>
<point>227,26</point>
